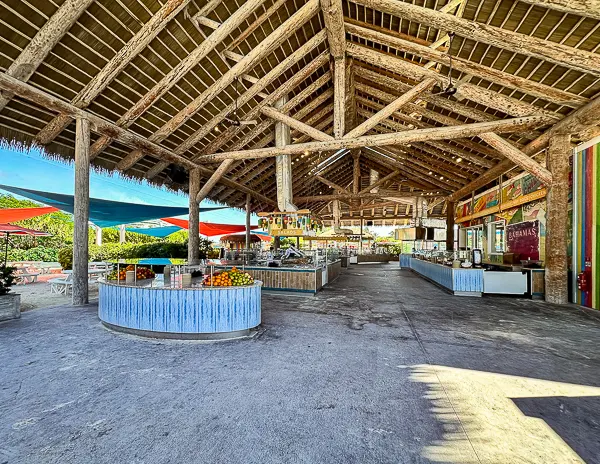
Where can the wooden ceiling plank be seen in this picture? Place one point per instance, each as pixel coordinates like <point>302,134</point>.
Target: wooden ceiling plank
<point>553,52</point>
<point>585,8</point>
<point>106,75</point>
<point>43,42</point>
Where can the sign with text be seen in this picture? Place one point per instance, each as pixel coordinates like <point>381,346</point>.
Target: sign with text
<point>524,238</point>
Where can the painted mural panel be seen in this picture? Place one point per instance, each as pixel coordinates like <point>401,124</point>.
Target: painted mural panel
<point>586,225</point>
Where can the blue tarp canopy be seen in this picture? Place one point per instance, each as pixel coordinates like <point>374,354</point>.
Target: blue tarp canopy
<point>159,232</point>
<point>104,213</point>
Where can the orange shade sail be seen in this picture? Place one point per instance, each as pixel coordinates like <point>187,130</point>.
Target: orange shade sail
<point>209,229</point>
<point>20,214</point>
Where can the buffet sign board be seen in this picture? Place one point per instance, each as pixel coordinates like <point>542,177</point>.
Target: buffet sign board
<point>524,238</point>
<point>289,223</point>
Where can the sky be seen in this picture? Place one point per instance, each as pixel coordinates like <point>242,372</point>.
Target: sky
<point>31,170</point>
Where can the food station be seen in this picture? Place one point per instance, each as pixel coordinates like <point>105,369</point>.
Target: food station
<point>184,302</point>
<point>499,247</point>
<point>292,270</point>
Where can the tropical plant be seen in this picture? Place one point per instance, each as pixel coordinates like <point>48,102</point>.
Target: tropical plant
<point>7,278</point>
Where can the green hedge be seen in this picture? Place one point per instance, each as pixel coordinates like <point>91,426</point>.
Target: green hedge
<point>114,251</point>
<point>38,253</point>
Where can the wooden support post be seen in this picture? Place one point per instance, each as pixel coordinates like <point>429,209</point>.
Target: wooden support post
<point>451,206</point>
<point>339,97</point>
<point>81,212</point>
<point>248,199</point>
<point>356,173</point>
<point>194,220</point>
<point>559,152</point>
<point>283,164</point>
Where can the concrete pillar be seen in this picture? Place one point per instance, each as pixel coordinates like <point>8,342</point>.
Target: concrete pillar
<point>450,207</point>
<point>194,219</point>
<point>283,164</point>
<point>81,212</point>
<point>122,236</point>
<point>98,235</point>
<point>248,243</point>
<point>559,152</point>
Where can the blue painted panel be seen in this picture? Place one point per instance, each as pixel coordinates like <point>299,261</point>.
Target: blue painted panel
<point>468,280</point>
<point>440,274</point>
<point>181,310</point>
<point>405,261</point>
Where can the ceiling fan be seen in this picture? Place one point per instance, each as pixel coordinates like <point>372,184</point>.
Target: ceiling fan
<point>234,120</point>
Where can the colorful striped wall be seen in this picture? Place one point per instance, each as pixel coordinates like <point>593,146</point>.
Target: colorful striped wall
<point>586,222</point>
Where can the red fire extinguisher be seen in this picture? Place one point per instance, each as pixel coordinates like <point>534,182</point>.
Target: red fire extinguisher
<point>584,279</point>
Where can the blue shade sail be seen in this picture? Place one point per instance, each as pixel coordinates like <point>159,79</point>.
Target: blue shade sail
<point>104,213</point>
<point>159,232</point>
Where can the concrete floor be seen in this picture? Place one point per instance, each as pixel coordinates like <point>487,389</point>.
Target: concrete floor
<point>381,367</point>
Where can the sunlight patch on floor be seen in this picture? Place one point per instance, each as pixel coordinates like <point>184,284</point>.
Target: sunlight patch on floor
<point>491,423</point>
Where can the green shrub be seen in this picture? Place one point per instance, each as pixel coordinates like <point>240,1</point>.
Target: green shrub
<point>38,253</point>
<point>7,278</point>
<point>65,258</point>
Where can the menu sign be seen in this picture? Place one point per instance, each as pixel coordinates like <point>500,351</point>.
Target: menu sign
<point>524,238</point>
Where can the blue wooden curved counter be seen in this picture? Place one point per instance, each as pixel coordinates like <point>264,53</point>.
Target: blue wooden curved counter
<point>166,312</point>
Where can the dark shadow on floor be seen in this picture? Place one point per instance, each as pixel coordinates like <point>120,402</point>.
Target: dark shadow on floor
<point>575,419</point>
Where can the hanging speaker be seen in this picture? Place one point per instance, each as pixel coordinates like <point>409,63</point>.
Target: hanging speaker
<point>369,223</point>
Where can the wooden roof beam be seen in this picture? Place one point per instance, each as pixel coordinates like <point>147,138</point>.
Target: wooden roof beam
<point>583,117</point>
<point>252,92</point>
<point>256,24</point>
<point>416,135</point>
<point>284,89</point>
<point>118,62</point>
<point>43,42</point>
<point>179,71</point>
<point>585,8</point>
<point>381,181</point>
<point>546,50</point>
<point>502,78</point>
<point>331,184</point>
<point>391,108</point>
<point>297,20</point>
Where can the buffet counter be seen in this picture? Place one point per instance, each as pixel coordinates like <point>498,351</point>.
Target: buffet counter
<point>297,279</point>
<point>476,281</point>
<point>461,282</point>
<point>164,309</point>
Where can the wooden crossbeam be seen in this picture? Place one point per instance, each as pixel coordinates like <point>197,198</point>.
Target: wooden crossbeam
<point>562,55</point>
<point>106,75</point>
<point>381,181</point>
<point>294,123</point>
<point>103,127</point>
<point>44,41</point>
<point>475,93</point>
<point>518,157</point>
<point>438,133</point>
<point>331,184</point>
<point>179,71</point>
<point>256,24</point>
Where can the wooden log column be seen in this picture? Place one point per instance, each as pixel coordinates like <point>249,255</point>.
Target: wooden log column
<point>283,164</point>
<point>194,220</point>
<point>557,219</point>
<point>248,199</point>
<point>450,208</point>
<point>81,212</point>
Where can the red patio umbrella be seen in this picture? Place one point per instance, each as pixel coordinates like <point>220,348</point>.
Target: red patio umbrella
<point>9,229</point>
